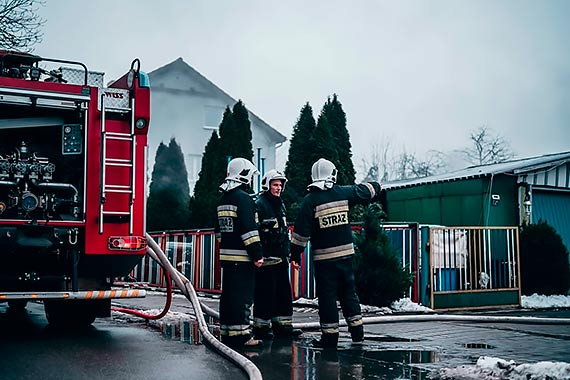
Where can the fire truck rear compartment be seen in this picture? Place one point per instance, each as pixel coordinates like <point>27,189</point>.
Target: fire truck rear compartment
<point>41,180</point>
<point>42,186</point>
<point>41,164</point>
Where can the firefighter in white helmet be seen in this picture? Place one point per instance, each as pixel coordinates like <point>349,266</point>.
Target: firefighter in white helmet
<point>240,252</point>
<point>272,302</point>
<point>323,219</point>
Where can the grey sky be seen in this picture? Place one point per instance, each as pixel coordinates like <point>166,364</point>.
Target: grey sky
<point>420,74</point>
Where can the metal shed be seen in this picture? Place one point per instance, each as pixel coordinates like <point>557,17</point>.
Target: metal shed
<point>506,194</point>
<point>472,262</point>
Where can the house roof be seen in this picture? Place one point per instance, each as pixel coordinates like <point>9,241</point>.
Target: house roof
<point>216,91</point>
<point>516,167</point>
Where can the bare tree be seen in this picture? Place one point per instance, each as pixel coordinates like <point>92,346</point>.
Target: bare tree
<point>20,24</point>
<point>487,148</point>
<point>377,166</point>
<point>382,165</point>
<point>408,165</point>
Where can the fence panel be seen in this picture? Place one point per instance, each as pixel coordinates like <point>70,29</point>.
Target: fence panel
<point>404,239</point>
<point>194,254</point>
<point>469,263</point>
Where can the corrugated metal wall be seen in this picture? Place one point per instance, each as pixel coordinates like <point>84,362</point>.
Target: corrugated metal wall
<point>553,207</point>
<point>550,198</point>
<point>558,176</point>
<point>459,203</point>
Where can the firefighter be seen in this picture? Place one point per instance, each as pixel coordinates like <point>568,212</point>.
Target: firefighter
<point>240,252</point>
<point>323,218</point>
<point>272,302</point>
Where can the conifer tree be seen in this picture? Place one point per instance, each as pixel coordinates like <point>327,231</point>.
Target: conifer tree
<point>336,118</point>
<point>323,142</point>
<point>543,260</point>
<point>227,135</point>
<point>242,146</point>
<point>169,195</point>
<point>234,141</point>
<point>299,160</point>
<point>380,277</point>
<point>212,173</point>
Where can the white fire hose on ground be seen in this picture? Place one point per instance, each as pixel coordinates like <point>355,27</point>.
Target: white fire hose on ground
<point>425,318</point>
<point>447,318</point>
<point>187,289</point>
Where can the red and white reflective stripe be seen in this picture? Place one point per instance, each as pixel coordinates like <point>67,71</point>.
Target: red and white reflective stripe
<point>82,295</point>
<point>105,294</point>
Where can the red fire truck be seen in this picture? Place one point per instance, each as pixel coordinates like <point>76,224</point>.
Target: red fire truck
<point>72,184</point>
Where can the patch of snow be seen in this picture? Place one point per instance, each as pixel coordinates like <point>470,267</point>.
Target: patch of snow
<point>537,301</point>
<point>406,305</point>
<point>170,317</point>
<point>402,305</point>
<point>375,309</point>
<point>307,301</point>
<point>490,368</point>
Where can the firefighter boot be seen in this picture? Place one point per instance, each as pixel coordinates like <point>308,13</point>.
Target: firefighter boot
<point>263,333</point>
<point>357,334</point>
<point>327,341</point>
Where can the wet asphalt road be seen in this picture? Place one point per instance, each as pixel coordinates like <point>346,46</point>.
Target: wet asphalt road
<point>30,349</point>
<point>128,348</point>
<point>400,350</point>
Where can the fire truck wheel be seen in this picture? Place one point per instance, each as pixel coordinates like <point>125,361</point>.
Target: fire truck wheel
<point>17,305</point>
<point>69,313</point>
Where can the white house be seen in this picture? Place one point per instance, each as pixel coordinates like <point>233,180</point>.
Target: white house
<point>187,106</point>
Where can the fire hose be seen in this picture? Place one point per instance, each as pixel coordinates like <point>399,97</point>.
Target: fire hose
<point>446,318</point>
<point>187,289</point>
<point>149,316</point>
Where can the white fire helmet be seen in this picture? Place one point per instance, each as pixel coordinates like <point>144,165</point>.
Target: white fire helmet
<point>240,172</point>
<point>270,176</point>
<point>323,174</point>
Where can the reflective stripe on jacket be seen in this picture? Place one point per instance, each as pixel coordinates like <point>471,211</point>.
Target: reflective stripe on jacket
<point>323,218</point>
<point>237,227</point>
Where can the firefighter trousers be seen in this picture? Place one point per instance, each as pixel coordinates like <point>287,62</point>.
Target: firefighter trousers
<point>272,304</point>
<point>236,301</point>
<point>335,281</point>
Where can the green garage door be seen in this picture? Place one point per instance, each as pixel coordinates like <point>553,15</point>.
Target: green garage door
<point>554,208</point>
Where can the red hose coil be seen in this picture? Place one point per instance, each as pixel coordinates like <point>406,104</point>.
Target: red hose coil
<point>148,316</point>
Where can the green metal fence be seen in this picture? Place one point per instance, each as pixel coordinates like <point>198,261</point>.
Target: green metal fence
<point>473,267</point>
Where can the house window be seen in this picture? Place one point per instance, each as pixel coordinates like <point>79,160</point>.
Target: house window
<point>213,116</point>
<point>193,165</point>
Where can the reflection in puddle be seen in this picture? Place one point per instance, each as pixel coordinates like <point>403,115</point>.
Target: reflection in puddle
<point>404,357</point>
<point>390,339</point>
<point>478,345</point>
<point>283,359</point>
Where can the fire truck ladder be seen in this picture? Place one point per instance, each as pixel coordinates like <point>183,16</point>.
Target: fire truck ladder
<point>109,161</point>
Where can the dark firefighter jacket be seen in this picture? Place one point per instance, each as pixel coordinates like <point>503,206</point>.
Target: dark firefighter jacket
<point>237,227</point>
<point>323,218</point>
<point>272,225</point>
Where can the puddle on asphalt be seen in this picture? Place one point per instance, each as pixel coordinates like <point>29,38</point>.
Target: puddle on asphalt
<point>403,356</point>
<point>478,345</point>
<point>283,359</point>
<point>390,339</point>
